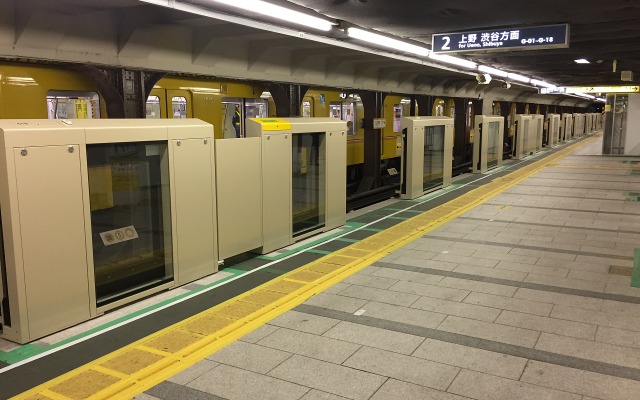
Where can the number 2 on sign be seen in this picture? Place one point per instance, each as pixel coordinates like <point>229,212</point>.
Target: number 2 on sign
<point>447,41</point>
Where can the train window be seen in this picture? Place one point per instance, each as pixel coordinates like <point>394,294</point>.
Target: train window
<point>397,117</point>
<point>439,109</point>
<point>153,107</point>
<point>71,104</point>
<point>308,182</point>
<point>130,217</point>
<point>179,107</point>
<point>346,111</point>
<point>306,109</point>
<point>256,108</point>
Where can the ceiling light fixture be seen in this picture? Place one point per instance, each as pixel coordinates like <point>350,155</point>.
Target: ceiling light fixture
<point>582,61</point>
<point>386,41</point>
<point>519,78</point>
<point>283,13</point>
<point>461,62</point>
<point>543,84</point>
<point>492,71</point>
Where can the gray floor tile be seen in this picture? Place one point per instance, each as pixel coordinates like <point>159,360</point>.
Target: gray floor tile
<point>590,350</point>
<point>618,307</point>
<point>549,325</point>
<point>172,391</point>
<point>318,395</point>
<point>234,383</point>
<point>509,303</point>
<point>491,272</point>
<point>144,396</point>
<point>375,337</point>
<point>330,378</point>
<point>559,298</point>
<point>596,317</point>
<point>259,333</point>
<point>403,314</point>
<point>335,302</point>
<point>471,311</point>
<point>304,322</point>
<point>438,292</point>
<point>249,356</point>
<point>193,372</point>
<point>536,269</point>
<point>489,387</point>
<point>380,295</point>
<point>409,276</point>
<point>398,390</point>
<point>565,282</point>
<point>306,344</point>
<point>371,281</point>
<point>336,288</point>
<point>416,262</point>
<point>479,262</point>
<point>470,358</point>
<point>487,330</point>
<point>402,367</point>
<point>583,382</point>
<point>476,286</point>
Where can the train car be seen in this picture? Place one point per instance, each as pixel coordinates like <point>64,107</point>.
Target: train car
<point>225,105</point>
<point>43,91</point>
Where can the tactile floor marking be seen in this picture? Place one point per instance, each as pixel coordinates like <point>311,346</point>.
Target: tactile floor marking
<point>197,337</point>
<point>84,384</point>
<point>324,268</point>
<point>132,361</point>
<point>264,297</point>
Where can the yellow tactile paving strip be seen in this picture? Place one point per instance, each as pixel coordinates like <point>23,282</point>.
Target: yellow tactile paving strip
<point>141,365</point>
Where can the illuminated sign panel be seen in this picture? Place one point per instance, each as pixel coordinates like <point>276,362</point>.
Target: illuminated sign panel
<point>590,89</point>
<point>528,38</point>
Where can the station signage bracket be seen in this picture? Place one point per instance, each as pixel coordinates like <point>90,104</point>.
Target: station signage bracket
<point>524,38</point>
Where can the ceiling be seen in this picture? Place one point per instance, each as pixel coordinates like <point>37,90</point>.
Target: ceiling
<point>601,31</point>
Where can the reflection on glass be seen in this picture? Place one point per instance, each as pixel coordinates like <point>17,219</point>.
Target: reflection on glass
<point>70,104</point>
<point>179,107</point>
<point>130,217</point>
<point>525,138</point>
<point>153,107</point>
<point>308,183</point>
<point>493,145</point>
<point>397,118</point>
<point>433,156</point>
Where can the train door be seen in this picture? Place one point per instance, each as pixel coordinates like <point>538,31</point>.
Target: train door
<point>307,107</point>
<point>438,108</point>
<point>346,111</point>
<point>235,110</point>
<point>71,104</point>
<point>180,104</point>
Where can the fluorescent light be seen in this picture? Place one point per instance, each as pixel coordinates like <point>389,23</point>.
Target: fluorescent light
<point>492,71</point>
<point>586,96</point>
<point>461,62</point>
<point>386,41</point>
<point>272,10</point>
<point>543,84</point>
<point>582,61</point>
<point>519,78</point>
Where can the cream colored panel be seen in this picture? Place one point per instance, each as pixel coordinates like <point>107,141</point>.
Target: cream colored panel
<point>53,237</point>
<point>336,162</point>
<point>195,208</point>
<point>276,186</point>
<point>239,188</point>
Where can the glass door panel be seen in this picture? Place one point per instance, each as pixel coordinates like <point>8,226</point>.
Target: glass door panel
<point>308,182</point>
<point>492,144</point>
<point>433,157</point>
<point>130,217</point>
<point>153,107</point>
<point>525,138</point>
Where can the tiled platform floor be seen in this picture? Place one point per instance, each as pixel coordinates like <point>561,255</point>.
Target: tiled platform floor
<point>520,298</point>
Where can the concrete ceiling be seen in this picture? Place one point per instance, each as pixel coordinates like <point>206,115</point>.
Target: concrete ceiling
<point>601,31</point>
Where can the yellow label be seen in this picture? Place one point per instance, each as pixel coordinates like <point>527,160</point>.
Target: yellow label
<point>81,109</point>
<point>273,124</point>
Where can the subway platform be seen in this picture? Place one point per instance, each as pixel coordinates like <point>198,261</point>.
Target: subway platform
<point>511,285</point>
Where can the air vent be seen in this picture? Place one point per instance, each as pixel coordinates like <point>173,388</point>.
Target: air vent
<point>626,76</point>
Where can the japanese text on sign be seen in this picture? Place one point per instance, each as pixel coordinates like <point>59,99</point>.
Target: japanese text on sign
<point>514,38</point>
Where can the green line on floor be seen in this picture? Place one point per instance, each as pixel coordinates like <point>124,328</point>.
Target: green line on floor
<point>323,252</point>
<point>635,274</point>
<point>30,349</point>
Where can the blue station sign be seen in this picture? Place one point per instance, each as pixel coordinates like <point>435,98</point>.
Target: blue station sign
<point>527,38</point>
